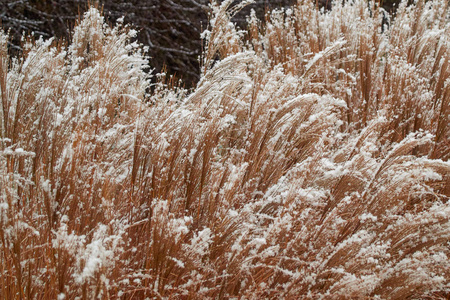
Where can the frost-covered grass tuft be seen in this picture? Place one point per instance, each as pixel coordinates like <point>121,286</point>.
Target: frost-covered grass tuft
<point>311,161</point>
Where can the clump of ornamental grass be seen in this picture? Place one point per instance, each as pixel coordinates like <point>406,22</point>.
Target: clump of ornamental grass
<point>311,161</point>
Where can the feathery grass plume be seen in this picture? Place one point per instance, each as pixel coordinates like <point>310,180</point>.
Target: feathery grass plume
<point>311,161</point>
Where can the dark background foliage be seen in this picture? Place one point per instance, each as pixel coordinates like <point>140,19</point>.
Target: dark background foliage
<point>171,28</point>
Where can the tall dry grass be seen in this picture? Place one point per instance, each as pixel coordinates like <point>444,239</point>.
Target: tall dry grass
<point>311,161</point>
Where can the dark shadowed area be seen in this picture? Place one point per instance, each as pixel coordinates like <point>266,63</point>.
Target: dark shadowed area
<point>171,29</point>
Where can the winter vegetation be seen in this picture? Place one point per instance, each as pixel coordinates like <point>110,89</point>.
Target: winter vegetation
<point>170,29</point>
<point>311,161</point>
